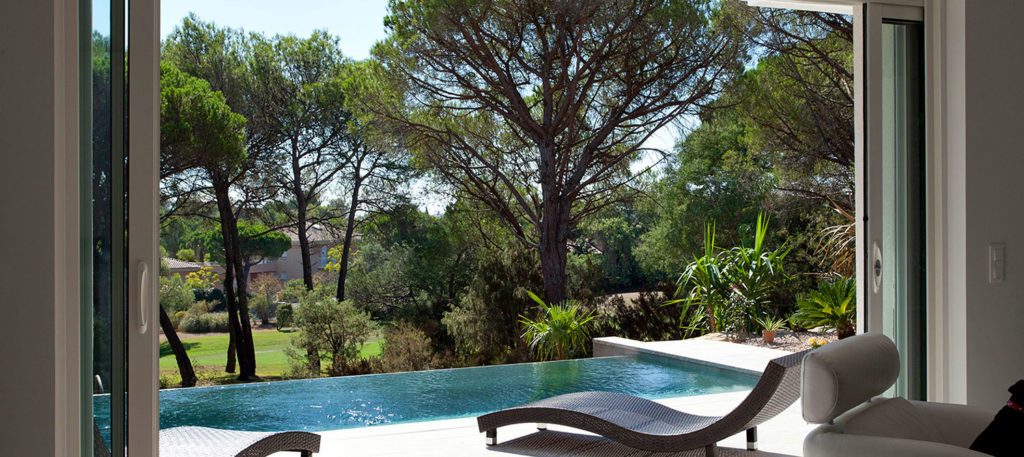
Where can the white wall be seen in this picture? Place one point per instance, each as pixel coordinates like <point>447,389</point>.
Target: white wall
<point>35,285</point>
<point>994,190</point>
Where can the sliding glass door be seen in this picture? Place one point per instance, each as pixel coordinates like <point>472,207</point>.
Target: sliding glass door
<point>103,228</point>
<point>118,236</point>
<point>896,187</point>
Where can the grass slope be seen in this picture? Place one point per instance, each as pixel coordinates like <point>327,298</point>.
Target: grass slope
<point>209,355</point>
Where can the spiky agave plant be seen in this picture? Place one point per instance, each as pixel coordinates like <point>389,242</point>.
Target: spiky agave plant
<point>562,329</point>
<point>833,305</point>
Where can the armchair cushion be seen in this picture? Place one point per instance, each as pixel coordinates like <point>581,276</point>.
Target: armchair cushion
<point>894,418</point>
<point>958,424</point>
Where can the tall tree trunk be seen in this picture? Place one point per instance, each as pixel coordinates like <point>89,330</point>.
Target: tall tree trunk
<point>234,328</point>
<point>238,303</point>
<point>307,264</point>
<point>350,229</point>
<point>188,375</point>
<point>244,346</point>
<point>230,366</point>
<point>302,209</point>
<point>313,357</point>
<point>554,231</point>
<point>225,213</point>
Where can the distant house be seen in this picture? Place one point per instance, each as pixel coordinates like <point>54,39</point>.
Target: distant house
<point>289,265</point>
<point>284,268</point>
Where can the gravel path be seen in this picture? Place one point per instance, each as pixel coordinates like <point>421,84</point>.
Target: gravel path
<point>785,340</point>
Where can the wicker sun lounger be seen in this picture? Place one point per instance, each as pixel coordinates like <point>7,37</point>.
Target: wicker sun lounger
<point>212,442</point>
<point>650,426</point>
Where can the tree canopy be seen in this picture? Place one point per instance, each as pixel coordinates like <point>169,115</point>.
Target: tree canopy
<point>197,128</point>
<point>537,108</point>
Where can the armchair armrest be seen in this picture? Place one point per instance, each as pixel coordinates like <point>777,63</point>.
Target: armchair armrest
<point>959,424</point>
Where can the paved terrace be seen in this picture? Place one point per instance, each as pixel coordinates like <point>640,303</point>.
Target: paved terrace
<point>781,436</point>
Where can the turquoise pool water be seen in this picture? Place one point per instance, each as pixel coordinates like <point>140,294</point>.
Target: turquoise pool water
<point>359,401</point>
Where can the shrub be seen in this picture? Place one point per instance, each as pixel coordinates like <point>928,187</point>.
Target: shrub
<point>646,318</point>
<point>176,319</point>
<point>485,323</point>
<point>262,306</point>
<point>327,279</point>
<point>368,365</point>
<point>294,290</point>
<point>563,329</point>
<point>204,323</point>
<point>332,327</point>
<point>204,279</point>
<point>284,315</point>
<point>214,297</point>
<point>407,348</point>
<point>200,307</point>
<point>187,255</point>
<point>175,295</point>
<point>265,284</point>
<point>583,277</point>
<point>833,306</point>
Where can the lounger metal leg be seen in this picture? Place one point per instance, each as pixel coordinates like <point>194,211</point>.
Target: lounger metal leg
<point>306,453</point>
<point>542,426</point>
<point>492,437</point>
<point>752,439</point>
<point>709,450</point>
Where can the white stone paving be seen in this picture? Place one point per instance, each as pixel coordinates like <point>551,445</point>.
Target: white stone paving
<point>751,359</point>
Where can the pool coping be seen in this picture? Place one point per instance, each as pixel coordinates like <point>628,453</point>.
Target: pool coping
<point>733,356</point>
<point>782,436</point>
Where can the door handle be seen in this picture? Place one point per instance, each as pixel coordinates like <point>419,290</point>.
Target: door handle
<point>143,270</point>
<point>876,267</point>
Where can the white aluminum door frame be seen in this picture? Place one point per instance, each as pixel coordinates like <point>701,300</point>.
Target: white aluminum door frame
<point>143,262</point>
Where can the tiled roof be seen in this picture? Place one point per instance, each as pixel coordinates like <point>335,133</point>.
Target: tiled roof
<point>316,233</point>
<point>181,265</point>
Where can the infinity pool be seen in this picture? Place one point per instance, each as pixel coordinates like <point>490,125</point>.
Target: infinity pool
<point>359,401</point>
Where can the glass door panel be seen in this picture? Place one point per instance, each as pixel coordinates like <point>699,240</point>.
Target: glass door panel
<point>896,188</point>
<point>119,345</point>
<point>103,209</point>
<point>902,199</point>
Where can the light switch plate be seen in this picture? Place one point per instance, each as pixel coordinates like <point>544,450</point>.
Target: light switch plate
<point>996,263</point>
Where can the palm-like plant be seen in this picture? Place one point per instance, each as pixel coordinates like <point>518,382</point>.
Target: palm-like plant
<point>832,306</point>
<point>731,284</point>
<point>756,270</point>
<point>703,284</point>
<point>561,329</point>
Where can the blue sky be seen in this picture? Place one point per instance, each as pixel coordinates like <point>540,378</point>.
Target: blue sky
<point>359,23</point>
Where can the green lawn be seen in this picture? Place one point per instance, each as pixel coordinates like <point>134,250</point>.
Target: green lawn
<point>209,354</point>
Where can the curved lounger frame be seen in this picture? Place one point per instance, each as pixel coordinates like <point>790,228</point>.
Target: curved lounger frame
<point>212,442</point>
<point>650,426</point>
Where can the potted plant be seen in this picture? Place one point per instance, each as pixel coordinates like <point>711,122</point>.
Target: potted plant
<point>769,325</point>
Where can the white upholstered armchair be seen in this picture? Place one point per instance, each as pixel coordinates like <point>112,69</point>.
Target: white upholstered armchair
<point>840,383</point>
